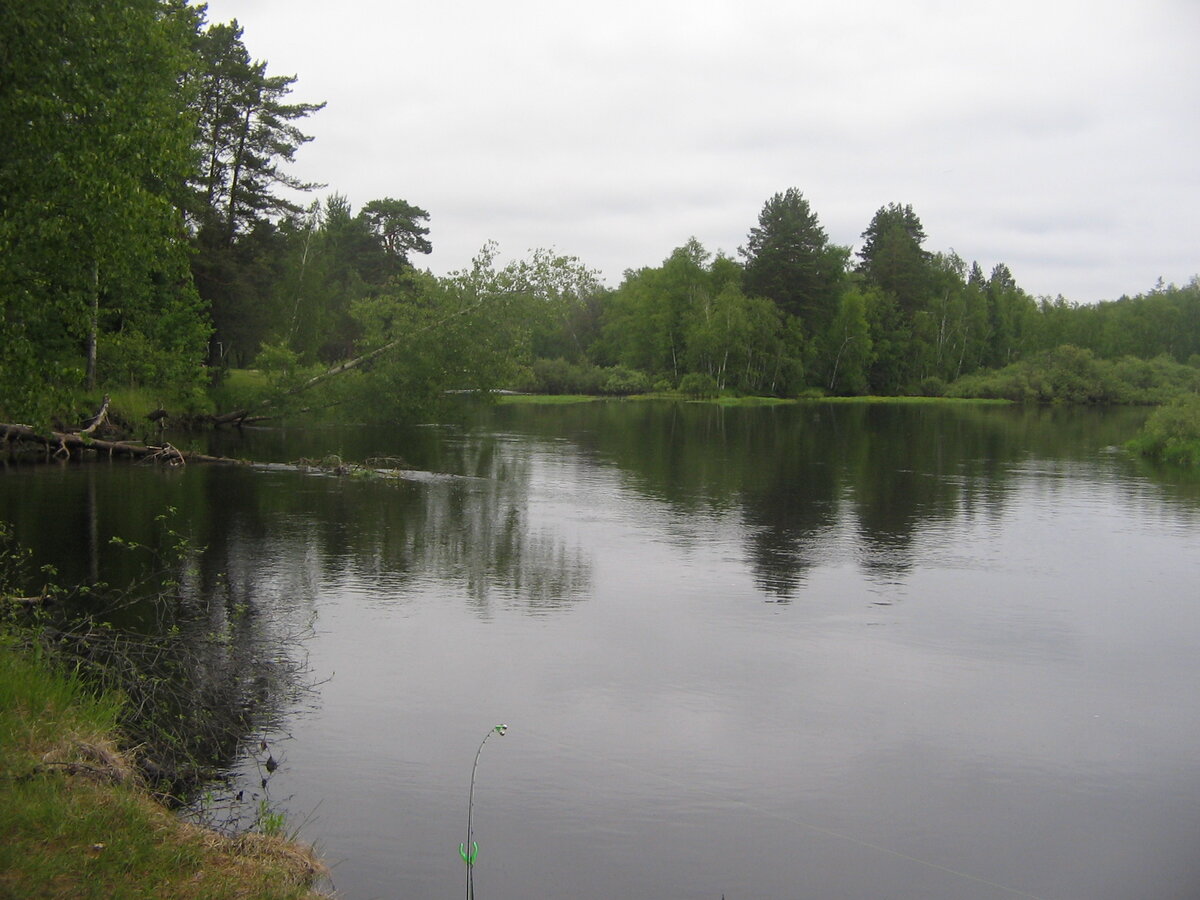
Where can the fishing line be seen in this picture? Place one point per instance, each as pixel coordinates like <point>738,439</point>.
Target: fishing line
<point>782,817</point>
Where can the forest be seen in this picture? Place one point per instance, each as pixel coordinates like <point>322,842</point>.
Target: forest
<point>151,240</point>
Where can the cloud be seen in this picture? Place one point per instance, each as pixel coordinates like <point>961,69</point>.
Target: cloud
<point>1057,138</point>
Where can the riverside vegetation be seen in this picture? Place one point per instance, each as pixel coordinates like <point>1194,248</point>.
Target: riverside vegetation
<point>162,272</point>
<point>102,735</point>
<point>80,822</point>
<point>181,282</point>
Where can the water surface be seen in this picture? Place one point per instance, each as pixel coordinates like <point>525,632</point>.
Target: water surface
<point>812,652</point>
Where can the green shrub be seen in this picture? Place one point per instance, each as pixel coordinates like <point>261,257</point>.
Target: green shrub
<point>559,376</point>
<point>621,381</point>
<point>1172,433</point>
<point>932,387</point>
<point>698,386</point>
<point>1070,374</point>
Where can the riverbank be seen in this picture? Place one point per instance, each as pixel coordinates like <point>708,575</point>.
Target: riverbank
<point>79,822</point>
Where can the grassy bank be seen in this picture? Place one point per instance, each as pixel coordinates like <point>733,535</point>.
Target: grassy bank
<point>77,821</point>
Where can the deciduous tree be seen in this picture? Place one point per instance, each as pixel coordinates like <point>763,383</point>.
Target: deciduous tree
<point>94,144</point>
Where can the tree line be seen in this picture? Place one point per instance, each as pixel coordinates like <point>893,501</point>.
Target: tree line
<point>148,237</point>
<point>796,312</point>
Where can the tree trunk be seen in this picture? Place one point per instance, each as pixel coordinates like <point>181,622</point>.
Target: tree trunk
<point>93,327</point>
<point>64,444</point>
<point>239,156</point>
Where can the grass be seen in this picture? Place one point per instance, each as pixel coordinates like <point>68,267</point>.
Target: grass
<point>564,399</point>
<point>745,401</point>
<point>546,399</point>
<point>909,400</point>
<point>240,388</point>
<point>77,822</point>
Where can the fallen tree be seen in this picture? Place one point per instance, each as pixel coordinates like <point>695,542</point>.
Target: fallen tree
<point>68,445</point>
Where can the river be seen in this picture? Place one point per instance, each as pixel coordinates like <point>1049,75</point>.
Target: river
<point>815,651</point>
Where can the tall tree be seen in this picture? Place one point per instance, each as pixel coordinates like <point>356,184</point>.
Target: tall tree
<point>789,259</point>
<point>1011,315</point>
<point>246,133</point>
<point>647,317</point>
<point>892,256</point>
<point>397,225</point>
<point>848,348</point>
<point>333,258</point>
<point>94,141</point>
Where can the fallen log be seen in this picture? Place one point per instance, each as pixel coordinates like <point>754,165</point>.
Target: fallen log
<point>62,444</point>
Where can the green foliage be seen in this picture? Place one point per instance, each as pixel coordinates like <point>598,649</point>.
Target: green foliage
<point>94,146</point>
<point>396,225</point>
<point>271,822</point>
<point>143,168</point>
<point>1165,320</point>
<point>847,347</point>
<point>691,315</point>
<point>245,133</point>
<point>281,367</point>
<point>932,387</point>
<point>1172,433</point>
<point>621,381</point>
<point>468,331</point>
<point>645,321</point>
<point>558,376</point>
<point>698,386</point>
<point>892,256</point>
<point>76,822</point>
<point>790,261</point>
<point>1070,374</point>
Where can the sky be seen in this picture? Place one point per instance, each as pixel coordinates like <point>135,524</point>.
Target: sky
<point>1059,137</point>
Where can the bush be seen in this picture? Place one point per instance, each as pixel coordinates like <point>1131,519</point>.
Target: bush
<point>620,381</point>
<point>698,386</point>
<point>558,376</point>
<point>1072,375</point>
<point>932,387</point>
<point>1172,433</point>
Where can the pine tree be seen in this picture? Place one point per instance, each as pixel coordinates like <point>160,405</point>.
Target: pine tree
<point>789,260</point>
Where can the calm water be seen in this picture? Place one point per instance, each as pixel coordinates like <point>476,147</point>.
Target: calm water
<point>798,652</point>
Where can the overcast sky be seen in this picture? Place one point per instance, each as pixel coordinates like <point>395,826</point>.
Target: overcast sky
<point>1061,137</point>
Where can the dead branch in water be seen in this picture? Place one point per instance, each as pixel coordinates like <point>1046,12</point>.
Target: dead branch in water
<point>65,445</point>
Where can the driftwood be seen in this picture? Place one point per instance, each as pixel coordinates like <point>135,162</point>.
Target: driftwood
<point>64,444</point>
<point>99,418</point>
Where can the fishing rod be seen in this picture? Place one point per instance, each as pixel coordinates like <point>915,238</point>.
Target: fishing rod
<point>469,850</point>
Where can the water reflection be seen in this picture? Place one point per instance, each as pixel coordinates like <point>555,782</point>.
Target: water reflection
<point>1012,715</point>
<point>259,551</point>
<point>802,478</point>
